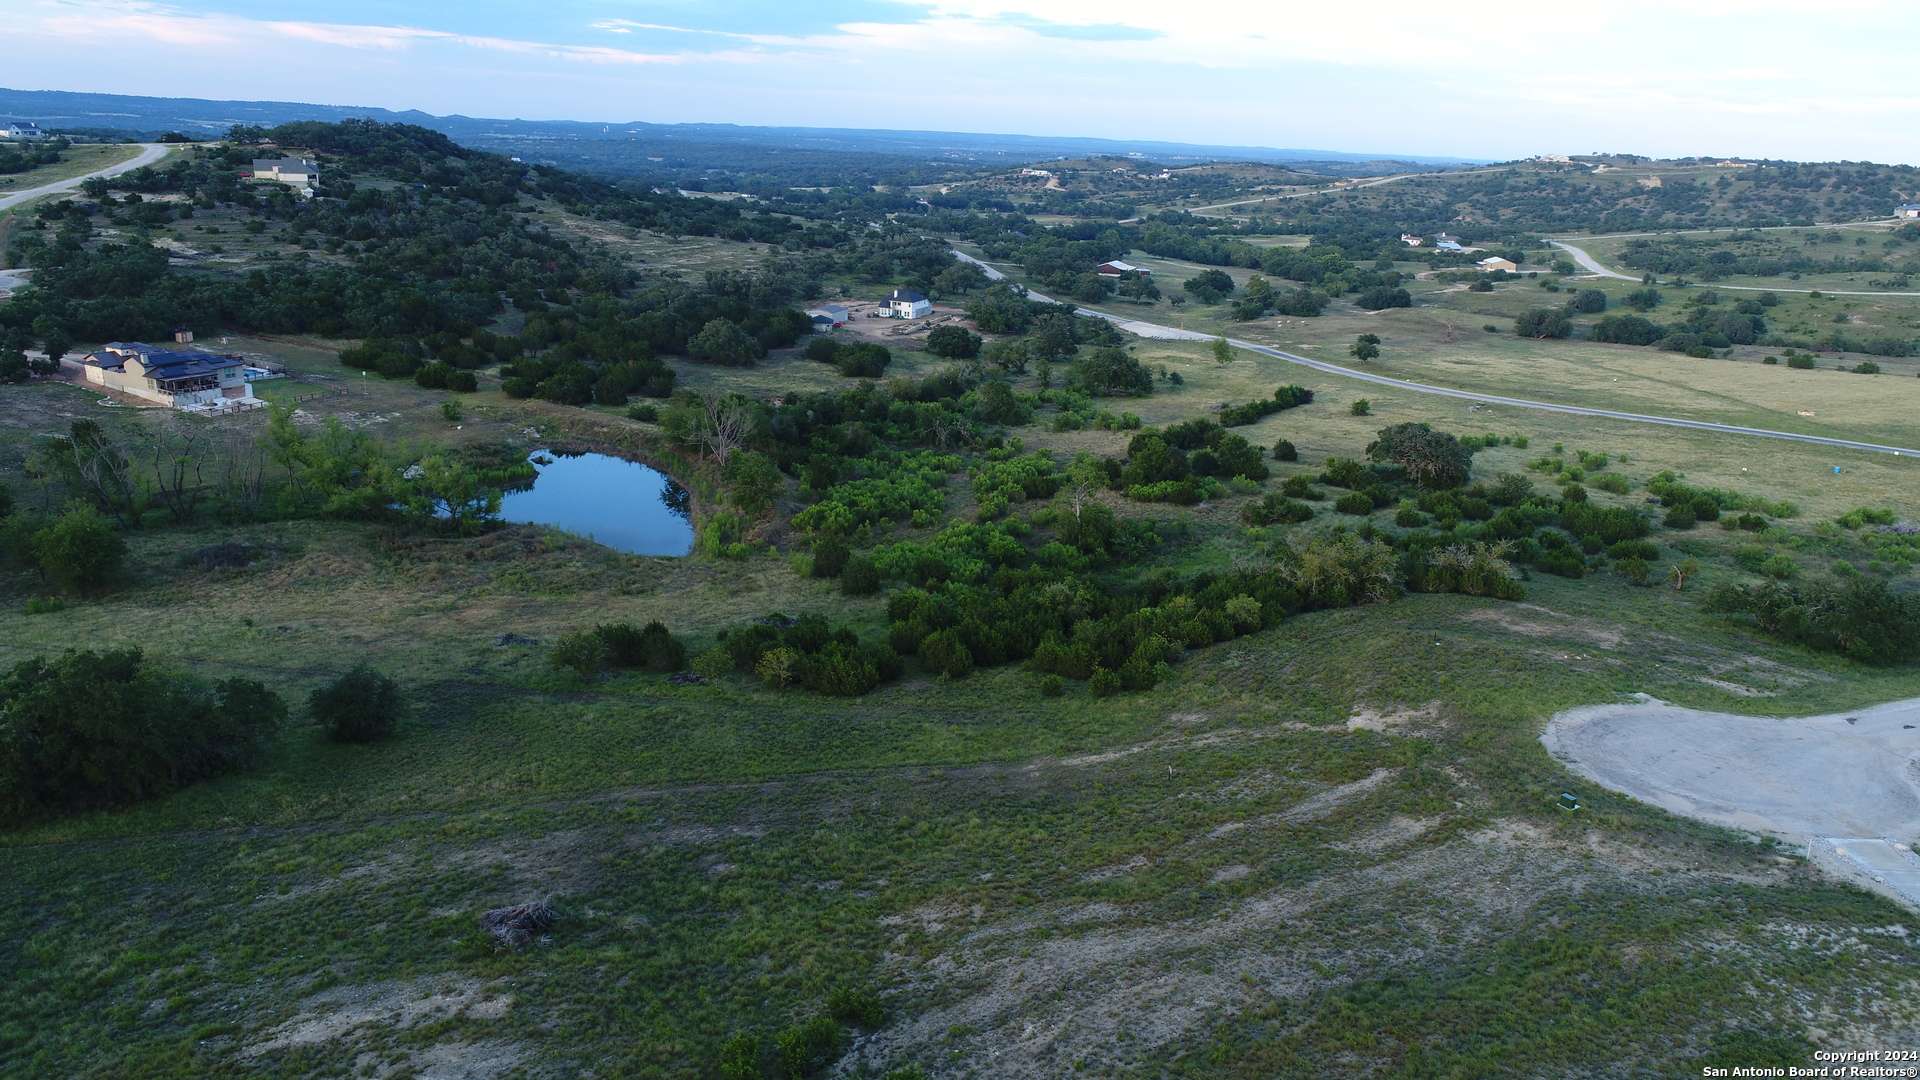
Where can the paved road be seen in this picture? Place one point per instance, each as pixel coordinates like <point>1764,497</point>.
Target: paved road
<point>1883,865</point>
<point>1593,266</point>
<point>1331,189</point>
<point>149,153</point>
<point>1155,330</point>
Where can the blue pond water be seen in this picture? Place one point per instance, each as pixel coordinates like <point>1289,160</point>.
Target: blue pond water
<point>622,504</point>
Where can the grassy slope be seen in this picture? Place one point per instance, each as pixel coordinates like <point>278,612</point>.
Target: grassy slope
<point>75,161</point>
<point>1221,876</point>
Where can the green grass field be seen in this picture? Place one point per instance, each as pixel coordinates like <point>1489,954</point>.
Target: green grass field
<point>77,160</point>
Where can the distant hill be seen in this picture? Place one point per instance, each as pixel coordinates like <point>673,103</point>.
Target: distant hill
<point>633,147</point>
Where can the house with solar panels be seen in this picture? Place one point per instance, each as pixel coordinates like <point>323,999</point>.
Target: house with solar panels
<point>189,379</point>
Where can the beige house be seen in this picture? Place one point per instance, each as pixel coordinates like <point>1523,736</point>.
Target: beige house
<point>1489,265</point>
<point>300,173</point>
<point>183,380</point>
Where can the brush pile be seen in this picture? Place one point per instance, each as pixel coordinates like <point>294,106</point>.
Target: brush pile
<point>518,925</point>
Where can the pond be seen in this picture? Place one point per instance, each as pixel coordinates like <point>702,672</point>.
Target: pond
<point>610,500</point>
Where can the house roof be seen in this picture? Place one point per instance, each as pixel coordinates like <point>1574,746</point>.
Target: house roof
<point>1494,259</point>
<point>162,363</point>
<point>1909,206</point>
<point>1123,267</point>
<point>1449,245</point>
<point>284,165</point>
<point>908,295</point>
<point>25,125</point>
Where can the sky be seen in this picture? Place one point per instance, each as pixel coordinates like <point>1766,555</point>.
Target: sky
<point>1801,79</point>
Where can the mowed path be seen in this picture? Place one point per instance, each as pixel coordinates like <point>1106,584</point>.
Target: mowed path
<point>1170,333</point>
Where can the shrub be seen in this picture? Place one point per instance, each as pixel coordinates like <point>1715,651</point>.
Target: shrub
<point>1680,517</point>
<point>1276,508</point>
<point>856,1007</point>
<point>1299,487</point>
<point>740,1057</point>
<point>582,652</point>
<point>1861,617</point>
<point>1284,451</point>
<point>714,663</point>
<point>775,667</point>
<point>644,413</point>
<point>860,577</point>
<point>1354,502</point>
<point>92,729</point>
<point>80,551</point>
<point>649,648</point>
<point>807,1048</point>
<point>1103,683</point>
<point>1361,407</point>
<point>360,706</point>
<point>1475,569</point>
<point>830,555</point>
<point>953,342</point>
<point>1339,570</point>
<point>1543,323</point>
<point>943,651</point>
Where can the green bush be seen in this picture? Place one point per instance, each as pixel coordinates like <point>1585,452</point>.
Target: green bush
<point>807,1048</point>
<point>89,729</point>
<point>1361,407</point>
<point>1354,502</point>
<point>649,648</point>
<point>830,554</point>
<point>1861,617</point>
<point>860,577</point>
<point>856,1007</point>
<point>1276,508</point>
<point>943,651</point>
<point>953,342</point>
<point>1285,451</point>
<point>740,1057</point>
<point>582,652</point>
<point>80,551</point>
<point>360,706</point>
<point>1103,683</point>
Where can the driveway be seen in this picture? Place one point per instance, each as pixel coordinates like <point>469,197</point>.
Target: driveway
<point>149,153</point>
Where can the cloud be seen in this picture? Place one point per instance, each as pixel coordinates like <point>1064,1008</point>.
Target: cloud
<point>108,20</point>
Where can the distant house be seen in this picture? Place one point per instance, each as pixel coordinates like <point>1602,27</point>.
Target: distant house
<point>1489,265</point>
<point>20,129</point>
<point>827,317</point>
<point>1411,240</point>
<point>907,304</point>
<point>183,380</point>
<point>1907,210</point>
<point>1453,246</point>
<point>1116,269</point>
<point>298,172</point>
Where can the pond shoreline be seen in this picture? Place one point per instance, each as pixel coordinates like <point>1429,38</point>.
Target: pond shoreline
<point>588,492</point>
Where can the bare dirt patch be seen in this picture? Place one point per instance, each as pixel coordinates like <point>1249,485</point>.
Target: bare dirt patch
<point>1543,622</point>
<point>340,1013</point>
<point>1092,987</point>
